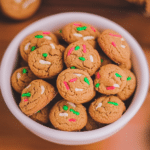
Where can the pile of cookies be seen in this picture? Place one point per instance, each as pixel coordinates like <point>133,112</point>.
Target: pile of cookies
<point>92,76</point>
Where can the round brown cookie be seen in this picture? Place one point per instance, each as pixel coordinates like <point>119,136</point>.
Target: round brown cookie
<point>129,89</point>
<point>68,116</point>
<point>19,9</point>
<point>46,61</point>
<point>80,31</point>
<point>21,78</point>
<point>83,56</point>
<point>110,79</point>
<point>114,46</point>
<point>34,41</point>
<point>127,65</point>
<point>36,96</point>
<point>42,116</point>
<point>92,124</point>
<point>106,109</point>
<point>75,86</point>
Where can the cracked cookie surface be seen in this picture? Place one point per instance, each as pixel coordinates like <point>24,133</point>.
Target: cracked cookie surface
<point>110,79</point>
<point>36,96</point>
<point>34,41</point>
<point>106,109</point>
<point>46,61</point>
<point>80,31</point>
<point>130,86</point>
<point>75,86</point>
<point>114,46</point>
<point>21,78</point>
<point>68,116</point>
<point>83,56</point>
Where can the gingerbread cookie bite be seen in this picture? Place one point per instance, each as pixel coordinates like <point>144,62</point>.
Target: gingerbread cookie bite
<point>46,61</point>
<point>130,86</point>
<point>34,41</point>
<point>21,78</point>
<point>75,86</point>
<point>82,56</point>
<point>68,116</point>
<point>110,79</point>
<point>114,46</point>
<point>106,109</point>
<point>80,31</point>
<point>36,96</point>
<point>41,116</point>
<point>19,9</point>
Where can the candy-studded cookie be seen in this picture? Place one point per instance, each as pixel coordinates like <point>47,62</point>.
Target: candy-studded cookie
<point>19,9</point>
<point>34,41</point>
<point>82,55</point>
<point>106,109</point>
<point>46,61</point>
<point>75,86</point>
<point>128,90</point>
<point>36,96</point>
<point>80,31</point>
<point>21,78</point>
<point>110,79</point>
<point>114,46</point>
<point>68,116</point>
<point>41,116</point>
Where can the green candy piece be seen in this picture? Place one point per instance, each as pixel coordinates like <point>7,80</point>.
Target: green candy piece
<point>97,85</point>
<point>102,60</point>
<point>113,103</point>
<point>71,110</point>
<point>39,36</point>
<point>60,31</point>
<point>26,94</point>
<point>77,113</point>
<point>86,80</point>
<point>82,58</point>
<point>129,78</point>
<point>45,54</point>
<point>77,47</point>
<point>118,75</point>
<point>81,28</point>
<point>74,112</point>
<point>65,107</point>
<point>38,111</point>
<point>33,48</point>
<point>24,71</point>
<point>73,67</point>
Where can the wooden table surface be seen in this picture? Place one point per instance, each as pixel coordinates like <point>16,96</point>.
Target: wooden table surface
<point>136,134</point>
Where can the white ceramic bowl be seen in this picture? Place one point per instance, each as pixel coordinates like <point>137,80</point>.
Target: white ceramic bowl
<point>53,23</point>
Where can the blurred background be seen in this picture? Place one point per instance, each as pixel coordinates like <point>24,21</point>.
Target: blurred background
<point>134,16</point>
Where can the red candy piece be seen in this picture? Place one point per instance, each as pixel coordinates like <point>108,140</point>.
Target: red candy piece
<point>98,75</point>
<point>93,29</point>
<point>72,80</point>
<point>110,87</point>
<point>72,120</point>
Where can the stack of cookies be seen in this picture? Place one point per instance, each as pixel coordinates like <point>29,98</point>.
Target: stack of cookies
<point>91,72</point>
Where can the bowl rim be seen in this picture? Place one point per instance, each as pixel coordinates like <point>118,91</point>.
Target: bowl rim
<point>76,137</point>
